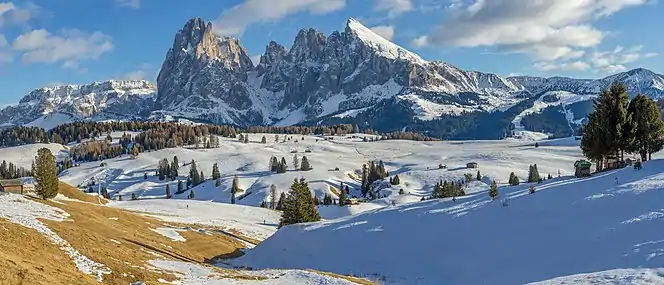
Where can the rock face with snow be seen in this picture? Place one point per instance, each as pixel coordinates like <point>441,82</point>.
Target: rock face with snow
<point>108,98</point>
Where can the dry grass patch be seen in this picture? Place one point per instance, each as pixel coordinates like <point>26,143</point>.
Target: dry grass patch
<point>28,257</point>
<point>74,193</point>
<point>334,190</point>
<point>123,241</point>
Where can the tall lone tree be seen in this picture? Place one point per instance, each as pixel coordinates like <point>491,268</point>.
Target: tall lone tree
<point>296,162</point>
<point>234,189</point>
<point>215,172</point>
<point>298,206</point>
<point>493,190</point>
<point>648,127</point>
<point>305,164</point>
<point>273,197</point>
<point>168,191</point>
<point>45,170</point>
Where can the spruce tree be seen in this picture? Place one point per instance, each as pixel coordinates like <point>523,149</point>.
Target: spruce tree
<point>193,173</point>
<point>273,197</point>
<point>145,176</point>
<point>283,164</point>
<point>263,203</point>
<point>168,191</point>
<point>45,171</point>
<point>282,198</point>
<point>236,185</point>
<point>120,198</point>
<point>201,177</point>
<point>493,190</point>
<point>133,196</point>
<point>396,180</point>
<point>180,186</point>
<point>479,176</point>
<point>215,171</point>
<point>343,197</point>
<point>263,140</point>
<point>298,206</point>
<point>305,164</point>
<point>365,186</point>
<point>296,162</point>
<point>192,195</point>
<point>217,182</point>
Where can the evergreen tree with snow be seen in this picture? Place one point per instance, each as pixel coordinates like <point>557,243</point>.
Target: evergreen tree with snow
<point>533,174</point>
<point>396,180</point>
<point>298,206</point>
<point>273,197</point>
<point>549,176</point>
<point>493,190</point>
<point>305,164</point>
<point>240,137</point>
<point>283,164</point>
<point>263,140</point>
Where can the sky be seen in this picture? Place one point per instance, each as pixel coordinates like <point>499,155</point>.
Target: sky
<point>50,42</point>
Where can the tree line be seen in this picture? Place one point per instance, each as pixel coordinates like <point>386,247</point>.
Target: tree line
<point>618,126</point>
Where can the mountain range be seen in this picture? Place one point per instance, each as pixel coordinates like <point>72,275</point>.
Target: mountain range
<point>350,76</point>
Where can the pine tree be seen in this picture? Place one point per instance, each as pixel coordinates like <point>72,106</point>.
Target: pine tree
<point>298,206</point>
<point>549,176</point>
<point>365,186</point>
<point>282,198</point>
<point>479,176</point>
<point>514,180</point>
<point>263,140</point>
<point>120,198</point>
<point>276,138</point>
<point>283,164</point>
<point>263,203</point>
<point>168,191</point>
<point>343,197</point>
<point>215,171</point>
<point>201,177</point>
<point>493,191</point>
<point>236,186</point>
<point>145,176</point>
<point>273,197</point>
<point>217,183</point>
<point>192,195</point>
<point>647,125</point>
<point>296,162</point>
<point>180,186</point>
<point>133,196</point>
<point>45,171</point>
<point>193,174</point>
<point>305,164</point>
<point>246,140</point>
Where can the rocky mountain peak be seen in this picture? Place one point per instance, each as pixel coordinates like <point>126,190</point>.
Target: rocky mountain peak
<point>308,44</point>
<point>273,53</point>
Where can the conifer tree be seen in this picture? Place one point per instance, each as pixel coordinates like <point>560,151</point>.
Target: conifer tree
<point>493,191</point>
<point>201,177</point>
<point>531,189</point>
<point>263,203</point>
<point>396,180</point>
<point>133,196</point>
<point>246,140</point>
<point>343,197</point>
<point>276,138</point>
<point>217,183</point>
<point>514,180</point>
<point>45,171</point>
<point>273,197</point>
<point>145,176</point>
<point>647,125</point>
<point>298,206</point>
<point>180,186</point>
<point>168,191</point>
<point>283,164</point>
<point>215,171</point>
<point>282,198</point>
<point>193,173</point>
<point>305,164</point>
<point>479,176</point>
<point>235,188</point>
<point>296,162</point>
<point>263,140</point>
<point>549,176</point>
<point>365,186</point>
<point>192,195</point>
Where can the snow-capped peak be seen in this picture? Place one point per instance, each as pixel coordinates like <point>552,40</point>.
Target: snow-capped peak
<point>382,46</point>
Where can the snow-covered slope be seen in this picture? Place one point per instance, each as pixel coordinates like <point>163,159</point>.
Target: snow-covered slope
<point>595,230</point>
<point>49,106</point>
<point>24,155</point>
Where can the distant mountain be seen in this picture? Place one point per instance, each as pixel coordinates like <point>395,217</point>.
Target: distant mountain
<point>350,76</point>
<point>49,106</point>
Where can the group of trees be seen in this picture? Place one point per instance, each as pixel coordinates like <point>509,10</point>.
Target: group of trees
<point>11,171</point>
<point>533,174</point>
<point>95,150</point>
<point>280,166</point>
<point>619,125</point>
<point>395,180</point>
<point>372,172</point>
<point>195,177</point>
<point>445,189</point>
<point>168,169</point>
<point>513,180</point>
<point>299,205</point>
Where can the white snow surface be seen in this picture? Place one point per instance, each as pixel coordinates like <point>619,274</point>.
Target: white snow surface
<point>571,231</point>
<point>52,120</point>
<point>247,220</point>
<point>22,211</point>
<point>171,233</point>
<point>191,273</point>
<point>24,155</point>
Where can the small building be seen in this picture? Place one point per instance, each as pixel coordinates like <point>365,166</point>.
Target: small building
<point>472,165</point>
<point>11,186</point>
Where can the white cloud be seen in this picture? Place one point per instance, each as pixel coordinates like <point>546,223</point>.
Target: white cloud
<point>570,66</point>
<point>133,4</point>
<point>393,8</point>
<point>618,59</point>
<point>386,32</point>
<point>236,19</point>
<point>13,14</point>
<point>141,73</point>
<point>419,42</point>
<point>69,46</point>
<point>545,30</point>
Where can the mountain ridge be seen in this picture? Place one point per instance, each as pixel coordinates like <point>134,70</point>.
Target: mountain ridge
<point>341,75</point>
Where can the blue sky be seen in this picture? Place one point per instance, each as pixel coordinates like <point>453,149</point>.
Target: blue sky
<point>79,41</point>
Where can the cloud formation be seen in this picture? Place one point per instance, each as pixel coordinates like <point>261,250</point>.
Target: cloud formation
<point>69,46</point>
<point>546,31</point>
<point>605,62</point>
<point>235,20</point>
<point>394,8</point>
<point>133,4</point>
